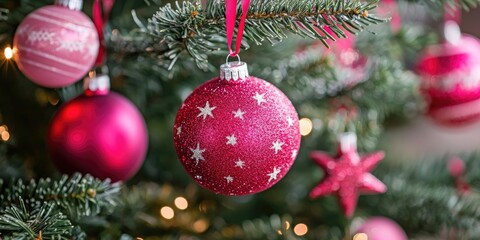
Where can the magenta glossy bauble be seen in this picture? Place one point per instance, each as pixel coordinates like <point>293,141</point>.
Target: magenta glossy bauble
<point>100,134</point>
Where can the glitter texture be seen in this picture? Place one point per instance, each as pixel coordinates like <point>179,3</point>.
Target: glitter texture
<point>100,134</point>
<point>234,138</point>
<point>347,176</point>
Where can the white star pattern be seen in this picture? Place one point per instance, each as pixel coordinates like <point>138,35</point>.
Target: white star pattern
<point>229,179</point>
<point>290,121</point>
<point>273,175</point>
<point>239,163</point>
<point>231,140</point>
<point>179,131</point>
<point>260,98</point>
<point>206,111</point>
<point>197,154</point>
<point>276,146</point>
<point>238,113</point>
<point>294,154</point>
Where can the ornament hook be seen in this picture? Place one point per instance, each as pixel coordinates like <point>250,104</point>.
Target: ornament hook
<point>228,56</point>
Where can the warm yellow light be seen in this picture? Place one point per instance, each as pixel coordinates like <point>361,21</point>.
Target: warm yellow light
<point>181,203</point>
<point>287,225</point>
<point>167,212</point>
<point>200,225</point>
<point>53,99</point>
<point>8,53</point>
<point>360,236</point>
<point>3,128</point>
<point>306,126</point>
<point>300,229</point>
<point>5,136</point>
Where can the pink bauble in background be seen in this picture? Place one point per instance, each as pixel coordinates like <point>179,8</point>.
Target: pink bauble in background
<point>55,46</point>
<point>237,136</point>
<point>381,228</point>
<point>450,74</point>
<point>101,133</point>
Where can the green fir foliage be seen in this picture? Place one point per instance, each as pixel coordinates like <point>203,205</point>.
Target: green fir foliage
<point>149,51</point>
<point>188,27</point>
<point>46,207</point>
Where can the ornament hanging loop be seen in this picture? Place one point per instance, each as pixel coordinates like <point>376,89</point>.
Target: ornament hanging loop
<point>230,55</point>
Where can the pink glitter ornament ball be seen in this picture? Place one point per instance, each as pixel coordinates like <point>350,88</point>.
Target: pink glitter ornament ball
<point>381,228</point>
<point>450,75</point>
<point>237,134</point>
<point>56,46</point>
<point>100,133</point>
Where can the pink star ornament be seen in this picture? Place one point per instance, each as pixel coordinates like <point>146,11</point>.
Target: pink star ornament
<point>347,175</point>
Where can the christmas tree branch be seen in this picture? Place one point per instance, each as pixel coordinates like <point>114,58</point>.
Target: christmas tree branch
<point>429,208</point>
<point>188,27</point>
<point>273,227</point>
<point>44,222</point>
<point>76,196</point>
<point>426,191</point>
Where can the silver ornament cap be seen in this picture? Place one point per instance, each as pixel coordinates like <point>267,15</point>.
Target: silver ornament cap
<point>234,71</point>
<point>347,142</point>
<point>452,33</point>
<point>76,5</point>
<point>97,84</point>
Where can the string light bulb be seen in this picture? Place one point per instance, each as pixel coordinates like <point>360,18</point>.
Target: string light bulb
<point>360,236</point>
<point>8,53</point>
<point>181,203</point>
<point>167,212</point>
<point>306,126</point>
<point>4,134</point>
<point>200,225</point>
<point>300,229</point>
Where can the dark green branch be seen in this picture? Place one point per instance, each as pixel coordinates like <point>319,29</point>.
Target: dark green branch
<point>190,28</point>
<point>76,196</point>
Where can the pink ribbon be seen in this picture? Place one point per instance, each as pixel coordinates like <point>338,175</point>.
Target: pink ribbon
<point>231,18</point>
<point>100,17</point>
<point>453,13</point>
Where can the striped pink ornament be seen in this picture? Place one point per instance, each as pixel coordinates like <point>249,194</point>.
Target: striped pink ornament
<point>55,46</point>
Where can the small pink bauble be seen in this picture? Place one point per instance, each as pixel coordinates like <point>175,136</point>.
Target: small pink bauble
<point>237,134</point>
<point>55,46</point>
<point>450,75</point>
<point>102,134</point>
<point>381,228</point>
